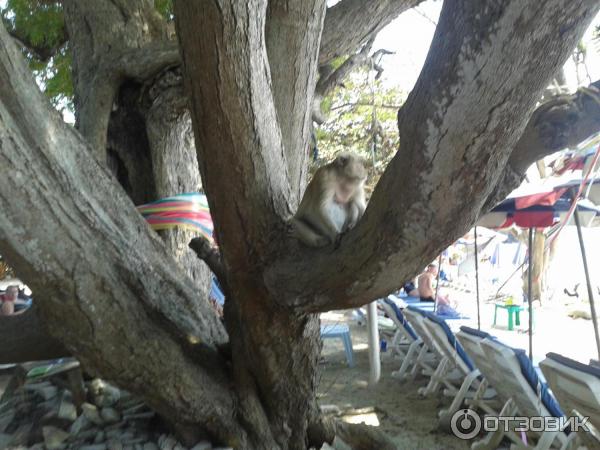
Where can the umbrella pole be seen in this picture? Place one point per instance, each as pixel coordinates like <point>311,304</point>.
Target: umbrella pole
<point>373,330</point>
<point>477,281</point>
<point>529,291</point>
<point>587,279</point>
<point>437,283</point>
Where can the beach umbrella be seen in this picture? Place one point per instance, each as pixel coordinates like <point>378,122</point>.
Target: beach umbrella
<point>542,209</point>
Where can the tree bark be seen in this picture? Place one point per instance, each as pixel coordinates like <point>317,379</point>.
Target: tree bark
<point>97,29</point>
<point>351,23</point>
<point>293,33</point>
<point>111,293</point>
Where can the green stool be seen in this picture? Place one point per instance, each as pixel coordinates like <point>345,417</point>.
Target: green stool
<point>513,310</point>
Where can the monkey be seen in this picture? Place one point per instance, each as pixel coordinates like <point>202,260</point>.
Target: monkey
<point>333,202</point>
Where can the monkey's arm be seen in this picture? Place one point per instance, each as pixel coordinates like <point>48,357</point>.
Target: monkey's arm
<point>356,209</point>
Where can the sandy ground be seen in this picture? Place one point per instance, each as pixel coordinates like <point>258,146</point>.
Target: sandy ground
<point>396,407</point>
<point>391,404</point>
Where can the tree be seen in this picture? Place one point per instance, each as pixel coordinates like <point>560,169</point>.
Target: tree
<point>116,298</point>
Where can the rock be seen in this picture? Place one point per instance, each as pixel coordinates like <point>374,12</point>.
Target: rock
<point>339,444</point>
<point>137,407</point>
<point>150,446</point>
<point>100,437</point>
<point>134,442</point>
<point>330,410</point>
<point>127,436</point>
<point>166,442</point>
<point>202,445</point>
<point>103,393</point>
<point>178,446</point>
<point>54,437</point>
<point>114,445</point>
<point>5,440</point>
<point>93,447</point>
<point>80,424</point>
<point>91,413</point>
<point>138,447</point>
<point>138,416</point>
<point>5,420</point>
<point>110,415</point>
<point>47,390</point>
<point>38,446</point>
<point>67,410</point>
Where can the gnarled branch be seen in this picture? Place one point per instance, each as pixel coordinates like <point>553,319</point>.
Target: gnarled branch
<point>123,306</point>
<point>293,31</point>
<point>351,23</point>
<point>457,129</point>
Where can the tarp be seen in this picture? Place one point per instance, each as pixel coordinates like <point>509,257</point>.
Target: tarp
<point>183,210</point>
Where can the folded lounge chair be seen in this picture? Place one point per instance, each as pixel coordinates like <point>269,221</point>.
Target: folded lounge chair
<point>455,359</point>
<point>517,383</point>
<point>405,343</point>
<point>485,398</point>
<point>428,355</point>
<point>577,388</point>
<point>444,375</point>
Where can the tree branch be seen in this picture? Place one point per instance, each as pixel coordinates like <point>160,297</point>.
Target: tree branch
<point>210,256</point>
<point>293,31</point>
<point>561,122</point>
<point>141,36</point>
<point>477,90</point>
<point>233,111</point>
<point>329,79</point>
<point>121,307</point>
<point>351,23</point>
<point>42,52</point>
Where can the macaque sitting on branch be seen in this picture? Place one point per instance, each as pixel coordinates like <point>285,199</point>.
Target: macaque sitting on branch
<point>333,202</point>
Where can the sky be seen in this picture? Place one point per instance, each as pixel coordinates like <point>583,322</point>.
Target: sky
<point>410,36</point>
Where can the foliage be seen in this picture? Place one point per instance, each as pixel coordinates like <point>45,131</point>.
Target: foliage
<point>165,8</point>
<point>350,121</point>
<point>39,28</point>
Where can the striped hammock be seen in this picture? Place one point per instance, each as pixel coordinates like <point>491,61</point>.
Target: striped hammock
<point>183,210</point>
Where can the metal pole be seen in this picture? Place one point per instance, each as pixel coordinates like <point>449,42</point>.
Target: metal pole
<point>529,291</point>
<point>437,283</point>
<point>373,330</point>
<point>587,279</point>
<point>477,281</point>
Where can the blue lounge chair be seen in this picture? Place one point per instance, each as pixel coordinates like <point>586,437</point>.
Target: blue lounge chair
<point>518,385</point>
<point>405,343</point>
<point>458,373</point>
<point>577,388</point>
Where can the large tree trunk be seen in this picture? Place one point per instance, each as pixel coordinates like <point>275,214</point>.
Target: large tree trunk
<point>149,145</point>
<point>450,141</point>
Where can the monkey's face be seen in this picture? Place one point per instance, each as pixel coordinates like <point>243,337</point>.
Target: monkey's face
<point>351,174</point>
<point>346,188</point>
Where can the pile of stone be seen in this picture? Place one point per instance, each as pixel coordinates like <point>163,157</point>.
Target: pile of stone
<point>42,414</point>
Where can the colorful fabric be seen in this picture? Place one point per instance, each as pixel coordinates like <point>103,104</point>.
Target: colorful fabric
<point>183,210</point>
